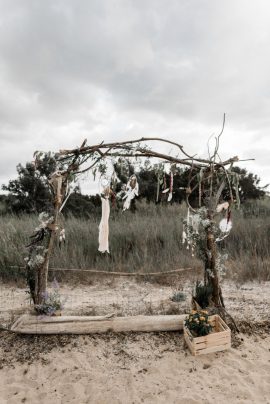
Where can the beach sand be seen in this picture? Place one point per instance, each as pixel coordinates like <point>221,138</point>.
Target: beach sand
<point>136,367</point>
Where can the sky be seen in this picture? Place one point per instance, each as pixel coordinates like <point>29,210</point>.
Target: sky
<point>122,69</point>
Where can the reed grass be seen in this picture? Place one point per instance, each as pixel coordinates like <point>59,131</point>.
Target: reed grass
<point>146,241</point>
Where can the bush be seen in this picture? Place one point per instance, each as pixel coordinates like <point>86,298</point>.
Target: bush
<point>203,294</point>
<point>178,297</point>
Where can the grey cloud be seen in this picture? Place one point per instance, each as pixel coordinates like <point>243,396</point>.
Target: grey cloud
<point>262,155</point>
<point>184,58</point>
<point>117,68</point>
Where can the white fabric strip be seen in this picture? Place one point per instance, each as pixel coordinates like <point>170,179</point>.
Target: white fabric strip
<point>104,226</point>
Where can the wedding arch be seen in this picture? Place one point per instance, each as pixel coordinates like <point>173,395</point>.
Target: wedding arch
<point>213,180</point>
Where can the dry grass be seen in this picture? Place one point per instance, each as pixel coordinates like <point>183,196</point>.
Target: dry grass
<point>147,241</point>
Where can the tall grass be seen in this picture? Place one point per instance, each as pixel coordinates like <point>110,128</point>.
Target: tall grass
<point>146,241</point>
<point>248,247</point>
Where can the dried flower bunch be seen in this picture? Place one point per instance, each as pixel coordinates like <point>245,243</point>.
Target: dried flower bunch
<point>198,323</point>
<point>51,303</point>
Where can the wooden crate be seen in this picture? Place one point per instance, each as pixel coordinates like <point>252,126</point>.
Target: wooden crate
<point>218,340</point>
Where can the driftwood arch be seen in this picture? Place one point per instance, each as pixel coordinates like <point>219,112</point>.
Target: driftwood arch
<point>209,177</point>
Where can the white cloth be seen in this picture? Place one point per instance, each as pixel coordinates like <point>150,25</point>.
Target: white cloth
<point>171,188</point>
<point>104,226</point>
<point>225,225</point>
<point>130,192</point>
<point>222,206</point>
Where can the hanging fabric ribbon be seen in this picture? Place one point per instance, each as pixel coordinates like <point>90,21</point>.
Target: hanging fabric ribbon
<point>200,179</point>
<point>171,187</point>
<point>132,190</point>
<point>114,181</point>
<point>103,237</point>
<point>222,206</point>
<point>68,193</point>
<point>190,227</point>
<point>55,181</point>
<point>185,232</point>
<point>62,237</point>
<point>157,196</point>
<point>164,183</point>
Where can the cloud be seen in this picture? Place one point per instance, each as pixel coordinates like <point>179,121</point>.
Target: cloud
<point>121,68</point>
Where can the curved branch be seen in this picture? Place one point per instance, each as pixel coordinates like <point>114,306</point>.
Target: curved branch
<point>144,151</point>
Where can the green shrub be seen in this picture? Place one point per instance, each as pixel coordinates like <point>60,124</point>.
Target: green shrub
<point>178,297</point>
<point>202,294</point>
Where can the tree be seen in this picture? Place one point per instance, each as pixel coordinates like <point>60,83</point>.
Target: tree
<point>148,178</point>
<point>28,193</point>
<point>80,205</point>
<point>249,185</point>
<point>154,180</point>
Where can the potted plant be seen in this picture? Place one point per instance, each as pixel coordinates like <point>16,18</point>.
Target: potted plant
<point>205,334</point>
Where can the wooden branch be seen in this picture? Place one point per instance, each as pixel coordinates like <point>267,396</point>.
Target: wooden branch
<point>28,324</point>
<point>102,155</point>
<point>121,147</point>
<point>213,157</point>
<point>150,154</point>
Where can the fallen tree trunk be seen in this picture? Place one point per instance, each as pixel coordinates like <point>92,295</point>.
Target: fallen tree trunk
<point>28,324</point>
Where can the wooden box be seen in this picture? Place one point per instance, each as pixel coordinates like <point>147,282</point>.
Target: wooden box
<point>218,340</point>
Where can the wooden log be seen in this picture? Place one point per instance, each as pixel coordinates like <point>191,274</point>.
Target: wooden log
<point>30,324</point>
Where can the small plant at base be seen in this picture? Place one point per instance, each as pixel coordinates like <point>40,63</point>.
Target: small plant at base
<point>197,323</point>
<point>52,302</point>
<point>203,294</point>
<point>178,297</point>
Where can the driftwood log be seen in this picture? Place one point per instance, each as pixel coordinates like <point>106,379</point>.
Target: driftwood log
<point>30,324</point>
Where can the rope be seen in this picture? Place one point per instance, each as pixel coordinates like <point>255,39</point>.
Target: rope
<point>92,271</point>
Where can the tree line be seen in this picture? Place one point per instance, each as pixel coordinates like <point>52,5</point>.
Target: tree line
<point>29,193</point>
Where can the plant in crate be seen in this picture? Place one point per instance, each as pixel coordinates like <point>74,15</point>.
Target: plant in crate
<point>205,334</point>
<point>198,323</point>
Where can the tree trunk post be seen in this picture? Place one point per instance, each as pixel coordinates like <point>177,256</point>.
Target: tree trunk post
<point>211,275</point>
<point>42,272</point>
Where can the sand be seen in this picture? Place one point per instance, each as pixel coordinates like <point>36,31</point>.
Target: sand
<point>136,368</point>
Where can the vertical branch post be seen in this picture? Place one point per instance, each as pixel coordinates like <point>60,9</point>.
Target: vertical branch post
<point>73,161</point>
<point>41,279</point>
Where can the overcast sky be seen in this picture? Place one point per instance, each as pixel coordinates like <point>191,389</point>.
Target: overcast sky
<point>122,69</point>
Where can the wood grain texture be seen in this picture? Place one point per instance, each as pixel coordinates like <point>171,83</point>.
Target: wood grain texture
<point>218,340</point>
<point>28,324</point>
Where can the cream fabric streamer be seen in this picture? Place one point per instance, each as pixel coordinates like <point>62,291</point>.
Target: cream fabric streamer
<point>171,188</point>
<point>222,206</point>
<point>104,226</point>
<point>132,190</point>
